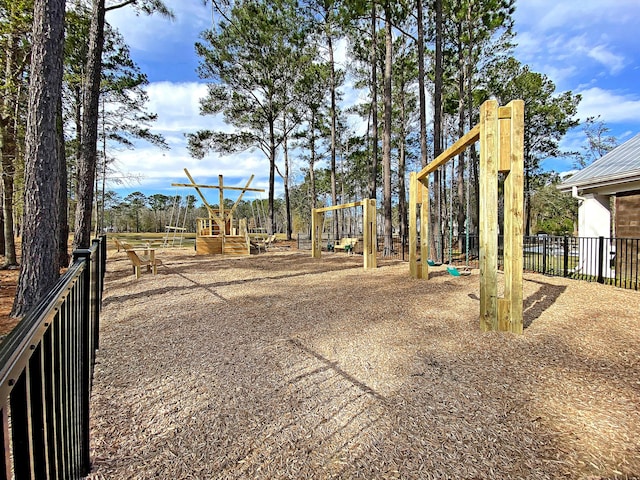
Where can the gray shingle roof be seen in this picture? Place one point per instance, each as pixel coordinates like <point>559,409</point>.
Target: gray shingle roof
<point>620,165</point>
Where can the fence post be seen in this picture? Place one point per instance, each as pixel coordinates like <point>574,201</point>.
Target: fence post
<point>97,273</point>
<point>544,255</point>
<point>600,259</point>
<point>403,245</point>
<point>565,266</point>
<point>85,363</point>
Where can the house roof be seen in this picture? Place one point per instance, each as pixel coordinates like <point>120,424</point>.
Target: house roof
<point>618,170</point>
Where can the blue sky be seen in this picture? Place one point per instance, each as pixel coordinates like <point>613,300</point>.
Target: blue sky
<point>589,47</point>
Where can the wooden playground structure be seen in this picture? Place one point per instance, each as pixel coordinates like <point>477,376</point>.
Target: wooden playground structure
<point>501,136</point>
<point>220,233</point>
<point>368,229</point>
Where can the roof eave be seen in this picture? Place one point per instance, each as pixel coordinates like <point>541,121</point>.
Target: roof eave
<point>602,182</point>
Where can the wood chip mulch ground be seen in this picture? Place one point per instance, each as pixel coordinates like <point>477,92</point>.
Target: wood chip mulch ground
<point>279,366</point>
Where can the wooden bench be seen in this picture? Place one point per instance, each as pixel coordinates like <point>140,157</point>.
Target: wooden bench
<point>145,259</point>
<point>120,245</point>
<point>347,244</point>
<point>266,243</point>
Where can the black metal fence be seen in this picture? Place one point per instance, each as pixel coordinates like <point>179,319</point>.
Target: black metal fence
<point>613,261</point>
<point>46,368</point>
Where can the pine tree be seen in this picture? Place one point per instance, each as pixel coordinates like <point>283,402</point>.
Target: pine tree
<point>251,58</point>
<point>87,160</point>
<point>40,267</point>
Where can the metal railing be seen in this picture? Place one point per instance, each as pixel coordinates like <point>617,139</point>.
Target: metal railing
<point>613,261</point>
<point>46,369</point>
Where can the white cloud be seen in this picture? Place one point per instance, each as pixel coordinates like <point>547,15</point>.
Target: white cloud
<point>177,106</point>
<point>150,168</point>
<point>615,63</point>
<point>611,106</point>
<point>340,51</point>
<point>573,40</point>
<point>546,15</point>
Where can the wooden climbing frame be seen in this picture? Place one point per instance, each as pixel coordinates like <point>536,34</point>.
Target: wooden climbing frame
<point>501,136</point>
<point>368,230</point>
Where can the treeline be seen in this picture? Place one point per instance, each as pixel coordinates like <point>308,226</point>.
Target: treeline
<point>157,213</point>
<point>422,69</point>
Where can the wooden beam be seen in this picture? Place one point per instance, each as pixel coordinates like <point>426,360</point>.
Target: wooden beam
<point>418,195</point>
<point>340,207</point>
<point>504,160</point>
<point>413,226</point>
<point>223,232</point>
<point>423,194</point>
<point>369,234</point>
<point>316,233</point>
<point>504,112</point>
<point>510,315</point>
<point>230,212</point>
<point>204,200</point>
<point>489,157</point>
<point>469,138</point>
<point>197,185</point>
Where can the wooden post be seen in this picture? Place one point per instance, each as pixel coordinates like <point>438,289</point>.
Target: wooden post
<point>369,233</point>
<point>489,158</point>
<point>316,233</point>
<point>418,195</point>
<point>423,195</point>
<point>223,226</point>
<point>414,268</point>
<point>510,311</point>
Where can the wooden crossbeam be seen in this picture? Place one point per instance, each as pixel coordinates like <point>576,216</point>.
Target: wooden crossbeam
<point>469,138</point>
<point>198,185</point>
<point>339,207</point>
<point>245,189</point>
<point>200,194</point>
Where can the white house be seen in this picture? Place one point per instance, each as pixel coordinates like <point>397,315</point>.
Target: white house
<point>608,191</point>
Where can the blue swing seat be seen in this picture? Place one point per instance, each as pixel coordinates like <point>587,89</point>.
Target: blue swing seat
<point>454,272</point>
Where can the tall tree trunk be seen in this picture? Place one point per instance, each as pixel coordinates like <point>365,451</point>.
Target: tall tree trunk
<point>421,86</point>
<point>87,160</point>
<point>402,195</point>
<point>287,199</point>
<point>63,221</point>
<point>1,229</point>
<point>386,138</point>
<point>272,178</point>
<point>437,135</point>
<point>460,214</point>
<point>40,263</point>
<point>474,160</point>
<point>334,194</point>
<point>373,182</point>
<point>8,153</point>
<point>312,162</point>
<point>474,175</point>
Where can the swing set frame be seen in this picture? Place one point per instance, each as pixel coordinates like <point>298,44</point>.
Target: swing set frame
<point>501,136</point>
<point>368,229</point>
